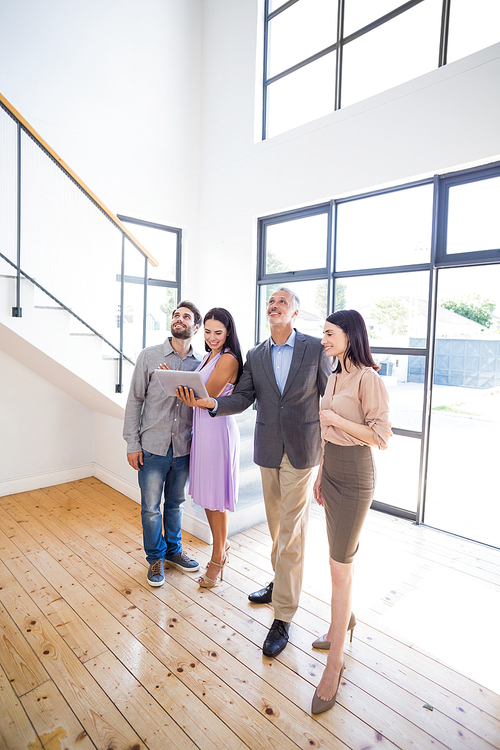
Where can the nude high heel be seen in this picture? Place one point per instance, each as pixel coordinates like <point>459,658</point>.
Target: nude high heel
<point>319,705</point>
<point>205,581</point>
<point>323,644</point>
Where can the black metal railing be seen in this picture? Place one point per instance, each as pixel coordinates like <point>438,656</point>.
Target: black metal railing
<point>60,237</point>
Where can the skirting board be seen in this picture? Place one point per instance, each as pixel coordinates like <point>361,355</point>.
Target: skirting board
<point>198,527</point>
<point>192,522</point>
<point>37,481</point>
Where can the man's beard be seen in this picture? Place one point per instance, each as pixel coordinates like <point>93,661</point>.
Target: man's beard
<point>181,333</point>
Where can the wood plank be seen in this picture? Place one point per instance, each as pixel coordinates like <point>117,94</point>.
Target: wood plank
<point>112,500</point>
<point>91,570</point>
<point>286,684</point>
<point>22,669</point>
<point>444,548</point>
<point>104,625</point>
<point>101,514</point>
<point>77,635</point>
<point>99,717</point>
<point>136,570</point>
<point>94,584</point>
<point>204,727</point>
<point>16,730</point>
<point>156,728</point>
<point>54,721</point>
<point>253,728</point>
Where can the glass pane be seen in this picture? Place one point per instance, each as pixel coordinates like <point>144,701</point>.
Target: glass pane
<point>359,13</point>
<point>71,249</point>
<point>313,306</point>
<point>473,26</point>
<point>394,306</point>
<point>473,222</point>
<point>8,192</point>
<point>300,31</point>
<point>274,4</point>
<point>404,379</point>
<point>161,304</point>
<point>301,96</point>
<point>296,245</point>
<point>397,471</point>
<point>133,302</point>
<point>391,229</point>
<point>462,494</point>
<point>401,49</point>
<point>162,245</point>
<point>133,305</point>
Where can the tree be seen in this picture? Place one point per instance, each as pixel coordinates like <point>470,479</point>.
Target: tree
<point>472,306</point>
<point>320,297</point>
<point>392,314</point>
<point>169,305</point>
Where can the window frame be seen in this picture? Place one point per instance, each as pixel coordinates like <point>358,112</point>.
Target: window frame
<point>438,259</point>
<point>337,47</point>
<point>144,280</point>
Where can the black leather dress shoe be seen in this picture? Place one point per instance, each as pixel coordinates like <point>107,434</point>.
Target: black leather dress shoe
<point>277,638</point>
<point>262,596</point>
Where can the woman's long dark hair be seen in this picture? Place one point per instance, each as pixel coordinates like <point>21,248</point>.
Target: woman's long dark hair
<point>232,343</point>
<point>358,349</point>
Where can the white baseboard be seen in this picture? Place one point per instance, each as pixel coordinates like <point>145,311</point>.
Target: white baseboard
<point>117,483</point>
<point>192,523</point>
<point>37,481</point>
<point>195,526</point>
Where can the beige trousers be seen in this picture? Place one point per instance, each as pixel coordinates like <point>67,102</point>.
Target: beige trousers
<point>287,498</point>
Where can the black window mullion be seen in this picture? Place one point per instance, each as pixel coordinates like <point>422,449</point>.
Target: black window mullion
<point>445,29</point>
<point>339,53</point>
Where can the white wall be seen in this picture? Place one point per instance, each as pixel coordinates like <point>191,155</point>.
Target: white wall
<point>124,91</point>
<point>114,87</point>
<point>46,437</point>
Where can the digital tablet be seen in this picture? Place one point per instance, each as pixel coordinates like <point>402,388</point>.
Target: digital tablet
<point>170,380</point>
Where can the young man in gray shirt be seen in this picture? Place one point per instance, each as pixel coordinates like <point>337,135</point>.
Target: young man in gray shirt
<point>157,429</point>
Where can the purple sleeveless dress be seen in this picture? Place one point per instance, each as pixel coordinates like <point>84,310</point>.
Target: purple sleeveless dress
<point>215,452</point>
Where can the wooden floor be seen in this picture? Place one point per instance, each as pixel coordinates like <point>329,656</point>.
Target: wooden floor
<point>92,657</point>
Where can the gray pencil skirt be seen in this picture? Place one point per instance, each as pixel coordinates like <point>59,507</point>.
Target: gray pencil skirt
<point>348,483</point>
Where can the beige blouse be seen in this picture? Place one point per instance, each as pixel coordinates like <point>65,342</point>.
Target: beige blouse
<point>360,396</point>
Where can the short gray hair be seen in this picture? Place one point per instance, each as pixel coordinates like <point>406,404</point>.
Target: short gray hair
<point>294,296</point>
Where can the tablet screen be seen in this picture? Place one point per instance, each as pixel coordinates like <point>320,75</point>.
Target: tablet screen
<point>170,380</point>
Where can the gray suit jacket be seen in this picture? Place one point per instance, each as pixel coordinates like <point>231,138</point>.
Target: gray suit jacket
<point>288,422</point>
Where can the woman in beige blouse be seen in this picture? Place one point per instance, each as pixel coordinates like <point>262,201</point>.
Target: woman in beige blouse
<point>354,416</point>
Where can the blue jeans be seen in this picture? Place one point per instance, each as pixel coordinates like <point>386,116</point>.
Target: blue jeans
<point>162,475</point>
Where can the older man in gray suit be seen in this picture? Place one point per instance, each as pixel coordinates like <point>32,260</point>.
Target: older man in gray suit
<point>287,375</point>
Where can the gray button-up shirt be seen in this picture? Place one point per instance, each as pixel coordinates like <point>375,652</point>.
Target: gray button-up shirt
<point>153,421</point>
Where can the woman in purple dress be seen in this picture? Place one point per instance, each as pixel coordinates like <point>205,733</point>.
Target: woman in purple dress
<point>214,462</point>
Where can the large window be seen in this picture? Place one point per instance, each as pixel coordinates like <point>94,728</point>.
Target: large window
<point>316,51</point>
<point>151,294</point>
<point>421,263</point>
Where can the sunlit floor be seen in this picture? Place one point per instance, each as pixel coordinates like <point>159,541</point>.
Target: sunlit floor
<point>93,658</point>
<point>435,591</point>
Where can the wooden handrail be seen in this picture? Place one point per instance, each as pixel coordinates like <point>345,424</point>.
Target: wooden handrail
<point>116,221</point>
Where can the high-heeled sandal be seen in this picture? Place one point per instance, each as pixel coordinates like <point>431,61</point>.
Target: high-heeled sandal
<point>226,555</point>
<point>319,705</point>
<point>205,581</point>
<point>323,644</point>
